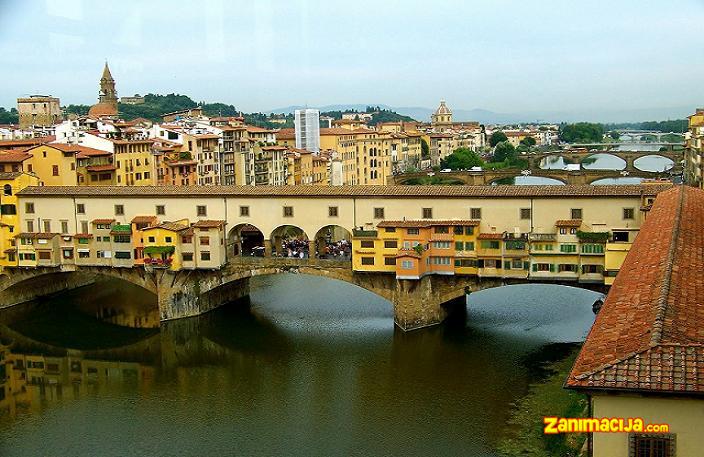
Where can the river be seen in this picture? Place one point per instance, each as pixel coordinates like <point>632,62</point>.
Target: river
<point>312,367</point>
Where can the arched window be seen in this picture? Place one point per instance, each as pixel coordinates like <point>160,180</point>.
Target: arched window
<point>7,189</point>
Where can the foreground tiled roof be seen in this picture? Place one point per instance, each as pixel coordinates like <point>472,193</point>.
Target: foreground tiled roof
<point>349,191</point>
<point>490,236</point>
<point>428,223</point>
<point>568,223</point>
<point>208,224</point>
<point>649,335</point>
<point>143,219</point>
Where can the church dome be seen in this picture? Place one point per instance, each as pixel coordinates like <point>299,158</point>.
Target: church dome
<point>102,109</point>
<point>443,109</point>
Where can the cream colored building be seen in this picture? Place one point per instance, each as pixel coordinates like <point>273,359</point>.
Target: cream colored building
<point>39,111</point>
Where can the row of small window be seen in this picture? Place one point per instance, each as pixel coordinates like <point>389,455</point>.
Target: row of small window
<point>567,268</point>
<point>590,248</point>
<point>201,210</point>
<point>524,213</point>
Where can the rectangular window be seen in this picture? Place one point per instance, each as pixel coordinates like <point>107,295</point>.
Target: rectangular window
<point>168,239</point>
<point>201,210</point>
<point>80,208</point>
<point>390,229</point>
<point>475,213</point>
<point>441,244</point>
<point>187,239</point>
<point>593,248</point>
<point>427,213</point>
<point>47,225</point>
<point>651,445</point>
<point>442,229</point>
<point>378,213</point>
<point>44,255</point>
<point>490,244</point>
<point>367,260</point>
<point>628,213</point>
<point>413,231</point>
<point>390,244</point>
<point>389,261</point>
<point>592,269</point>
<point>366,244</point>
<point>244,211</point>
<point>30,226</point>
<point>563,231</point>
<point>84,226</point>
<point>123,255</point>
<point>187,256</point>
<point>469,230</point>
<point>55,170</point>
<point>576,213</point>
<point>620,237</point>
<point>204,240</point>
<point>160,210</point>
<point>288,211</point>
<point>567,267</point>
<point>83,254</point>
<point>332,211</point>
<point>121,238</point>
<point>406,264</point>
<point>525,213</point>
<point>459,246</point>
<point>568,248</point>
<point>151,239</point>
<point>64,227</point>
<point>458,230</point>
<point>119,210</point>
<point>29,208</point>
<point>469,246</point>
<point>205,255</point>
<point>517,264</point>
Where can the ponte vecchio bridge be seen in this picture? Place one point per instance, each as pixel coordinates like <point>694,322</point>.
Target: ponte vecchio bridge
<point>311,210</point>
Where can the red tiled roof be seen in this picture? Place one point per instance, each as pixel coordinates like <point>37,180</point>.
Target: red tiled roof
<point>425,192</point>
<point>81,151</point>
<point>286,134</point>
<point>568,223</point>
<point>490,236</point>
<point>37,235</point>
<point>335,131</point>
<point>83,235</point>
<point>208,224</point>
<point>102,221</point>
<point>5,144</point>
<point>14,157</point>
<point>101,168</point>
<point>143,219</point>
<point>649,334</point>
<point>427,223</point>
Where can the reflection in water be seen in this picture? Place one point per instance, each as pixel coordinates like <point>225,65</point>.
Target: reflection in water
<point>603,161</point>
<point>653,163</point>
<point>312,366</point>
<point>611,181</point>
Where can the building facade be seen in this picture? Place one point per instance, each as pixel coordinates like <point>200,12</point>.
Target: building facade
<point>39,111</point>
<point>307,129</point>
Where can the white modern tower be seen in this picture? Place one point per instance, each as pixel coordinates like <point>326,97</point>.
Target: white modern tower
<point>307,123</point>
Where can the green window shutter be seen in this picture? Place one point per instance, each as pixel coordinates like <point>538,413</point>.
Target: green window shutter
<point>469,246</point>
<point>535,267</point>
<point>552,268</point>
<point>526,265</point>
<point>459,246</point>
<point>507,265</point>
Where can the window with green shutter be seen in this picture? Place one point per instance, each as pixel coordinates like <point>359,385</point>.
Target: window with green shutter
<point>459,246</point>
<point>552,268</point>
<point>507,264</point>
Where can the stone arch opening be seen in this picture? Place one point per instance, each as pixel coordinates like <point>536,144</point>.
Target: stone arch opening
<point>245,240</point>
<point>654,163</point>
<point>290,241</point>
<point>333,242</point>
<point>603,161</point>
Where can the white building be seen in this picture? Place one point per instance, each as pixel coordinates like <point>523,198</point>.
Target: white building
<point>307,127</point>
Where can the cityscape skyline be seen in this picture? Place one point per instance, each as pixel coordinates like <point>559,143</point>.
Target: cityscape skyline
<point>589,66</point>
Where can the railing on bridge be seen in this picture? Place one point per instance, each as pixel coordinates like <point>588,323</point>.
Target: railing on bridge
<point>288,261</point>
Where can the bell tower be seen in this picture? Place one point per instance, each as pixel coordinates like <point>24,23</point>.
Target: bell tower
<point>108,94</point>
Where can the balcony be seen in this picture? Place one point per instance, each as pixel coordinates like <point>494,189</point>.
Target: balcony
<point>547,237</point>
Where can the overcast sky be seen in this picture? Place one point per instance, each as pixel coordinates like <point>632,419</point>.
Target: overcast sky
<point>505,56</point>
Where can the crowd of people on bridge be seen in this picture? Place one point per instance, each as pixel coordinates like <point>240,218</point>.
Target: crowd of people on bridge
<point>340,250</point>
<point>295,247</point>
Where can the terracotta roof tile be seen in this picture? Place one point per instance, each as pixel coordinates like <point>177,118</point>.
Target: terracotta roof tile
<point>208,224</point>
<point>102,221</point>
<point>649,334</point>
<point>568,223</point>
<point>490,236</point>
<point>143,219</point>
<point>350,191</point>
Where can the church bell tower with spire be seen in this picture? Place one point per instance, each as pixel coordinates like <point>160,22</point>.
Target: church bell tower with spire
<point>108,94</point>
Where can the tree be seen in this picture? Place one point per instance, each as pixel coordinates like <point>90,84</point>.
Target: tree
<point>497,137</point>
<point>8,117</point>
<point>614,135</point>
<point>504,151</point>
<point>461,159</point>
<point>582,132</point>
<point>528,141</point>
<point>424,149</point>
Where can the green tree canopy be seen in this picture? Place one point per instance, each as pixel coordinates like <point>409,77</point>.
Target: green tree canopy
<point>528,141</point>
<point>614,135</point>
<point>582,132</point>
<point>461,159</point>
<point>8,117</point>
<point>497,137</point>
<point>424,149</point>
<point>504,151</point>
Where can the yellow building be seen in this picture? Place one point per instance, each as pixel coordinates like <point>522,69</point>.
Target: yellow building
<point>54,164</point>
<point>694,139</point>
<point>133,162</point>
<point>642,357</point>
<point>9,213</point>
<point>163,245</point>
